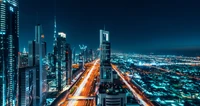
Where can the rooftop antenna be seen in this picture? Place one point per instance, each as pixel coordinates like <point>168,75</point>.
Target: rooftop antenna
<point>104,27</point>
<point>24,50</point>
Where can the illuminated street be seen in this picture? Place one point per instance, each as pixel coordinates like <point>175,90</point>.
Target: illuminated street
<point>138,94</point>
<point>83,86</point>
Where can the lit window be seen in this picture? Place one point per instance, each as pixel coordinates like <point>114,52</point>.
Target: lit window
<point>11,9</point>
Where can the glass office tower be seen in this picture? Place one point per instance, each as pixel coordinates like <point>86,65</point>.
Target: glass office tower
<point>9,47</point>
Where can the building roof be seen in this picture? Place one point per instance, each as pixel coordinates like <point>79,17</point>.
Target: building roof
<point>111,88</point>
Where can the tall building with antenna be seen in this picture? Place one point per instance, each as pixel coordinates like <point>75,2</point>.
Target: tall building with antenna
<point>9,47</point>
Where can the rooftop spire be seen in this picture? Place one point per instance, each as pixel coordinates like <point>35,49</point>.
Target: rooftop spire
<point>55,28</point>
<point>24,51</point>
<point>55,32</point>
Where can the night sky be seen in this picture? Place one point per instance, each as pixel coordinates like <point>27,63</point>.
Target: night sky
<point>139,26</point>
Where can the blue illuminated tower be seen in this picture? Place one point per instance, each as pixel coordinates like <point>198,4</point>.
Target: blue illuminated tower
<point>40,52</point>
<point>105,70</point>
<point>9,47</point>
<point>60,60</point>
<point>37,52</point>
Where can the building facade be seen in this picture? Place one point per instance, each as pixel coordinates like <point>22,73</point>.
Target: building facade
<point>27,91</point>
<point>105,70</point>
<point>9,47</point>
<point>23,59</point>
<point>60,60</point>
<point>68,64</point>
<point>37,53</point>
<point>111,92</point>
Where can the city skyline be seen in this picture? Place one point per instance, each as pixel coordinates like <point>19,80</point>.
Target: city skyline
<point>99,53</point>
<point>135,26</point>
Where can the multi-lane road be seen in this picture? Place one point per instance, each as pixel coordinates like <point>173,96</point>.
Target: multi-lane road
<point>88,89</point>
<point>142,99</point>
<point>84,87</point>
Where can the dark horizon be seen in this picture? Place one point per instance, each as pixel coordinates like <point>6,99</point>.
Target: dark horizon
<point>134,26</point>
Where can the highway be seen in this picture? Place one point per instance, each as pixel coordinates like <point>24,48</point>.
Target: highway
<point>87,89</point>
<point>142,99</point>
<point>61,99</point>
<point>84,86</point>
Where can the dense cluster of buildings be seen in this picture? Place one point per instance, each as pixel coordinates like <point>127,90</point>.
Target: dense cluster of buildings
<point>164,79</point>
<point>26,77</point>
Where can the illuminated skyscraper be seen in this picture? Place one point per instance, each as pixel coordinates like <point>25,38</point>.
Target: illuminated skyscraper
<point>35,46</point>
<point>9,47</point>
<point>27,86</point>
<point>110,91</point>
<point>55,32</point>
<point>23,59</point>
<point>104,36</point>
<point>60,60</point>
<point>105,70</point>
<point>37,52</point>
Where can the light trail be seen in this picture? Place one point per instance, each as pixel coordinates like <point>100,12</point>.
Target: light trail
<point>78,91</point>
<point>133,91</point>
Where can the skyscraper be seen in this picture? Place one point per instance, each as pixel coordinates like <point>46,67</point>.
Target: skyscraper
<point>35,46</point>
<point>73,56</point>
<point>27,86</point>
<point>40,51</point>
<point>23,59</point>
<point>104,36</point>
<point>111,92</point>
<point>60,64</point>
<point>37,52</point>
<point>9,47</point>
<point>68,64</point>
<point>31,53</point>
<point>105,70</point>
